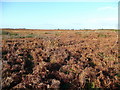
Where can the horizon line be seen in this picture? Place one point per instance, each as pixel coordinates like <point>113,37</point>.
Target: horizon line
<point>64,29</point>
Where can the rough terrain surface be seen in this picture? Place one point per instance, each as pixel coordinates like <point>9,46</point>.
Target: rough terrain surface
<point>64,60</point>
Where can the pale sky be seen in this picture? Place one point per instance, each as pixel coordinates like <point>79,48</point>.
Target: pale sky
<point>63,15</point>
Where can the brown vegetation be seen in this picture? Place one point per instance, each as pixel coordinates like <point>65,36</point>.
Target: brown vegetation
<point>65,60</point>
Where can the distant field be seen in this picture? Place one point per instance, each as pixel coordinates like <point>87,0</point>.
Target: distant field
<point>64,59</point>
<point>19,33</point>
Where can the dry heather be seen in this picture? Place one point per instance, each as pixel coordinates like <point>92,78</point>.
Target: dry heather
<point>66,60</point>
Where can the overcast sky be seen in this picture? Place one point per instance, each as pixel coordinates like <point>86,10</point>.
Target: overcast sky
<point>64,15</point>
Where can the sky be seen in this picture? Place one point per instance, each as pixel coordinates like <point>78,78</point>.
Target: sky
<point>62,15</point>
